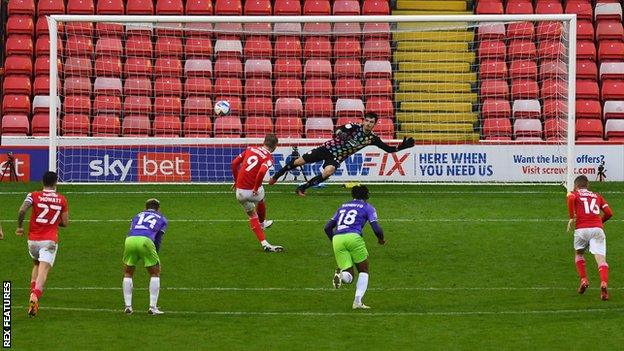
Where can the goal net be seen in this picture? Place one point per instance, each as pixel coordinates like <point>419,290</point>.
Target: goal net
<point>487,98</point>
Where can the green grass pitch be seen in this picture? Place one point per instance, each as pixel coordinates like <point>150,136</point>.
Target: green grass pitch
<point>464,267</point>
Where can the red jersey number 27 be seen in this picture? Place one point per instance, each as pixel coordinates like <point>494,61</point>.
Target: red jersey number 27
<point>590,206</point>
<point>45,209</point>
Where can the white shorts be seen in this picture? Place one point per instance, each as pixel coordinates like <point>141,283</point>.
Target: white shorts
<point>594,238</point>
<point>43,250</point>
<point>247,199</point>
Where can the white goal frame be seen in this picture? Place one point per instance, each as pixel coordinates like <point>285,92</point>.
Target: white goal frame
<point>55,141</point>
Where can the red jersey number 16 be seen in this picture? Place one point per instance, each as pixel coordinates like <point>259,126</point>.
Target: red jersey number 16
<point>590,206</point>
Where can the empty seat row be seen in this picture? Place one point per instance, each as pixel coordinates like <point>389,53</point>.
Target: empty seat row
<point>604,10</point>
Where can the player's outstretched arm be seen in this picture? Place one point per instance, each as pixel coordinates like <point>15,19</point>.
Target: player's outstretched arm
<point>405,144</point>
<point>329,228</point>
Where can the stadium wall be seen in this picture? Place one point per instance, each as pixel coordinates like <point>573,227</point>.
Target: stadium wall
<point>424,163</point>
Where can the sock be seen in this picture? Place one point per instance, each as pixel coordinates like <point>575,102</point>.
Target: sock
<point>314,181</point>
<point>604,273</point>
<point>37,293</point>
<point>264,243</point>
<point>261,209</point>
<point>154,289</point>
<point>127,291</point>
<point>346,277</point>
<point>580,266</point>
<point>290,165</point>
<point>257,228</point>
<point>32,286</point>
<point>362,284</point>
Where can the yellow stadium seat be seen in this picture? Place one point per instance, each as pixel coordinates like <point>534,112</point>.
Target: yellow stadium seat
<point>436,117</point>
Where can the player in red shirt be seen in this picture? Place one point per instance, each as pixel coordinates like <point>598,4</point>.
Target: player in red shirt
<point>585,206</point>
<point>248,170</point>
<point>49,212</point>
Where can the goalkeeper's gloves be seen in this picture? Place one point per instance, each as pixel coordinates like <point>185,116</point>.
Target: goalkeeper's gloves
<point>406,143</point>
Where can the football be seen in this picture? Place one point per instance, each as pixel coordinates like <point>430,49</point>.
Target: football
<point>222,108</point>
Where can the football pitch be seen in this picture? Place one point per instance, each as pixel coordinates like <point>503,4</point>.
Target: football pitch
<point>464,267</point>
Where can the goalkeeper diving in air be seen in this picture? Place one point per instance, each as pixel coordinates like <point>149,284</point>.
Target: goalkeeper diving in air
<point>347,140</point>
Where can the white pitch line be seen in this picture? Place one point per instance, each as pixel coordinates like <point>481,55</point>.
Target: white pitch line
<point>196,192</point>
<point>332,314</point>
<point>315,220</point>
<point>530,288</point>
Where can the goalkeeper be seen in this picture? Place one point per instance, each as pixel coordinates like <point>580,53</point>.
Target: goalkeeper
<point>347,140</point>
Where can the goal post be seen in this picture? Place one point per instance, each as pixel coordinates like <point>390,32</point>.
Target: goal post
<point>488,98</point>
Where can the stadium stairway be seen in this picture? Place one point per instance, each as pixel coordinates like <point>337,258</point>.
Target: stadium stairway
<point>434,74</point>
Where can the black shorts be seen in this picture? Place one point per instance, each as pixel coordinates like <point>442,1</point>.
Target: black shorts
<point>321,153</point>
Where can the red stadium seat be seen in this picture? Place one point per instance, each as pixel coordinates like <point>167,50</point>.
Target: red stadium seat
<point>585,50</point>
<point>171,86</point>
<point>347,47</point>
<point>138,46</point>
<point>75,125</point>
<point>17,84</point>
<point>588,108</point>
<point>551,49</point>
<point>348,88</point>
<point>586,69</point>
<point>106,125</point>
<point>228,127</point>
<point>609,50</point>
<point>140,30</point>
<point>199,7</point>
<point>109,46</point>
<point>42,66</point>
<point>520,30</point>
<point>524,89</point>
<point>197,126</point>
<point>287,8</point>
<point>317,47</point>
<point>288,107</point>
<point>15,125</point>
<point>168,67</point>
<point>288,127</point>
<point>137,67</point>
<point>228,68</point>
<point>18,65</point>
<point>78,66</point>
<point>317,69</point>
<point>76,85</point>
<point>495,108</point>
<point>169,46</point>
<point>165,105</point>
<point>383,107</point>
<point>42,47</point>
<point>137,105</point>
<point>257,8</point>
<point>555,128</point>
<point>16,104</point>
<point>346,8</point>
<point>228,7</point>
<point>50,7</point>
<point>587,89</point>
<point>107,104</point>
<point>553,89</point>
<point>287,68</point>
<point>589,128</point>
<point>385,128</point>
<point>521,49</point>
<point>228,86</point>
<point>376,31</point>
<point>318,87</point>
<point>378,87</point>
<point>258,68</point>
<point>584,30</point>
<point>319,107</point>
<point>258,87</point>
<point>110,7</point>
<point>519,7</point>
<point>21,7</point>
<point>319,128</point>
<point>258,106</point>
<point>19,24</point>
<point>40,124</point>
<point>287,47</point>
<point>198,47</point>
<point>493,49</point>
<point>258,47</point>
<point>198,86</point>
<point>167,126</point>
<point>108,66</point>
<point>493,69</point>
<point>494,89</point>
<point>80,46</point>
<point>555,108</point>
<point>288,87</point>
<point>548,7</point>
<point>228,31</point>
<point>258,126</point>
<point>347,68</point>
<point>169,7</point>
<point>316,8</point>
<point>77,104</point>
<point>377,50</point>
<point>348,30</point>
<point>582,8</point>
<point>609,30</point>
<point>141,7</point>
<point>496,127</point>
<point>491,31</point>
<point>493,7</point>
<point>136,126</point>
<point>375,7</point>
<point>612,90</point>
<point>41,85</point>
<point>79,28</point>
<point>552,69</point>
<point>138,86</point>
<point>80,7</point>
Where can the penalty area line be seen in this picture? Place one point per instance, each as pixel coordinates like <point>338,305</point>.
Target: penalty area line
<point>332,314</point>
